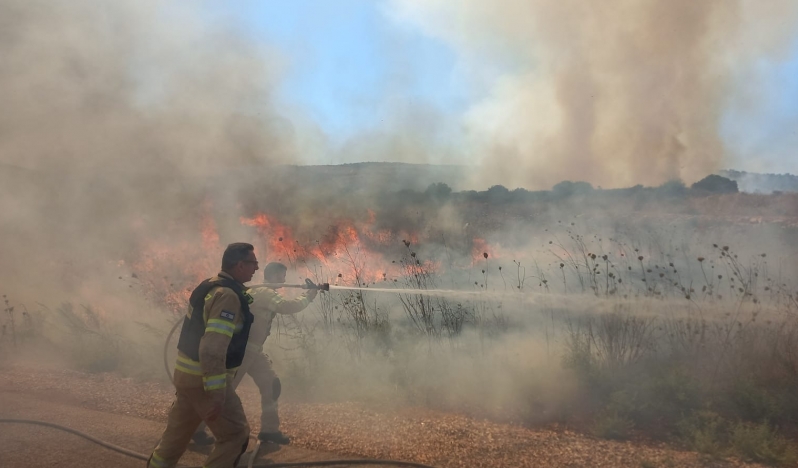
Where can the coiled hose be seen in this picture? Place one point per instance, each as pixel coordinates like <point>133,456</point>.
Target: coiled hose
<point>166,351</point>
<point>143,457</point>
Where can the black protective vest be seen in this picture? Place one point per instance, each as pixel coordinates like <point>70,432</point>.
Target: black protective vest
<point>194,326</point>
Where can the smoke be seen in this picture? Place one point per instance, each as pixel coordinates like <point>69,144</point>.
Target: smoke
<point>117,119</point>
<point>89,85</point>
<point>410,132</point>
<point>615,93</point>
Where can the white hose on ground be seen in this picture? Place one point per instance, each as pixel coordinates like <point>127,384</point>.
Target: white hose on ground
<point>166,351</point>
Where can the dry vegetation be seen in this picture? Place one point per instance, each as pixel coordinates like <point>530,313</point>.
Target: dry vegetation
<point>706,360</point>
<point>643,334</point>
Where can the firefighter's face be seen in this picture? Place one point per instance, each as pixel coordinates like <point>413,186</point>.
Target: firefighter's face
<point>246,268</point>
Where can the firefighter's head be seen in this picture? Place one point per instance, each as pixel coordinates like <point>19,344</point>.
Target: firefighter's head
<point>239,261</point>
<point>274,272</point>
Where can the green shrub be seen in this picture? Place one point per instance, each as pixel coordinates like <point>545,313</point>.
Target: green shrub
<point>670,393</point>
<point>611,425</point>
<point>762,444</point>
<point>754,403</point>
<point>705,432</point>
<point>715,184</point>
<point>655,399</point>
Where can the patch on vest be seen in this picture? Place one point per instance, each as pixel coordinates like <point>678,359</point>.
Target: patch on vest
<point>226,314</point>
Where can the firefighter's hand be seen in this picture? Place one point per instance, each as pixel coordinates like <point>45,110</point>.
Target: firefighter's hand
<point>312,289</point>
<point>216,405</point>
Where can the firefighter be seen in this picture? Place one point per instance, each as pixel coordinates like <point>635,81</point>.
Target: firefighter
<point>267,303</point>
<point>211,347</point>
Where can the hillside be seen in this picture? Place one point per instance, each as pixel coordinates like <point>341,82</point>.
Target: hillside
<point>762,183</point>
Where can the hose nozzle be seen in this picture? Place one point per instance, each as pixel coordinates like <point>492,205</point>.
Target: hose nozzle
<point>319,287</point>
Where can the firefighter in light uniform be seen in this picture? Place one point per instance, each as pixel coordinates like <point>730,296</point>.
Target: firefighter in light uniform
<point>211,348</point>
<point>267,303</point>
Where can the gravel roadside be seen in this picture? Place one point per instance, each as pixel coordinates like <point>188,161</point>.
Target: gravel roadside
<point>358,430</point>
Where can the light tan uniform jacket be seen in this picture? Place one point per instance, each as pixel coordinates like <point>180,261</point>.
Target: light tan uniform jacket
<point>267,303</point>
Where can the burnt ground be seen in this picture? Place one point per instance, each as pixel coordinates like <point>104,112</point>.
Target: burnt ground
<point>132,414</point>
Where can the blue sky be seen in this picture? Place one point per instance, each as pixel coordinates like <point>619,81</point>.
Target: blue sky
<point>764,127</point>
<point>348,61</point>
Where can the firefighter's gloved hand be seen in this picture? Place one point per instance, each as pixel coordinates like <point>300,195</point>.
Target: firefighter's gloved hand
<point>312,288</point>
<point>216,405</point>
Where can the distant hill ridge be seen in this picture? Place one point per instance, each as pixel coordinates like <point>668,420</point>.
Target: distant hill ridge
<point>366,177</point>
<point>762,183</point>
<point>393,176</point>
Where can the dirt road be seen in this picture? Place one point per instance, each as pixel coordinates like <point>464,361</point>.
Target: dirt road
<point>28,446</point>
<point>132,414</point>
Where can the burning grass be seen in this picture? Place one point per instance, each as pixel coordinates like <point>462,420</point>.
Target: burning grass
<point>619,331</point>
<point>639,341</point>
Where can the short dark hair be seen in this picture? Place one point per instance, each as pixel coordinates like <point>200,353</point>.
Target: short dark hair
<point>273,268</point>
<point>234,253</point>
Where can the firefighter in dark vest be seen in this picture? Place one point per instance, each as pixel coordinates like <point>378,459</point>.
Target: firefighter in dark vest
<point>267,304</point>
<point>211,347</point>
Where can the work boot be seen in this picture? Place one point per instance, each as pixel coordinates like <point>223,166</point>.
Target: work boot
<point>202,439</point>
<point>274,437</point>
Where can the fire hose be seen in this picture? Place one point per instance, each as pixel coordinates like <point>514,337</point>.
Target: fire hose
<point>308,284</point>
<point>141,456</point>
<point>366,461</point>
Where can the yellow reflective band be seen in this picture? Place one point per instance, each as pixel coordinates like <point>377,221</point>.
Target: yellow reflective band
<point>220,326</point>
<point>188,362</point>
<point>188,366</point>
<point>214,382</point>
<point>208,296</point>
<point>157,461</point>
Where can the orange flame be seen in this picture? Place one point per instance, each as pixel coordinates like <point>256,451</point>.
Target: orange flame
<point>210,237</point>
<point>348,252</point>
<point>341,251</point>
<point>480,251</point>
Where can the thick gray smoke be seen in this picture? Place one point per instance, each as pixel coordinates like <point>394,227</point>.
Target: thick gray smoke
<point>117,118</point>
<point>131,86</point>
<point>616,93</point>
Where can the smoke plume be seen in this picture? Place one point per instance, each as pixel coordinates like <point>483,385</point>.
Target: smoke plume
<point>117,119</point>
<point>616,93</point>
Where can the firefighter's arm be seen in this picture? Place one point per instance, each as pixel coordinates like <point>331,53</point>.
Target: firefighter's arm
<point>222,315</point>
<point>284,306</point>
